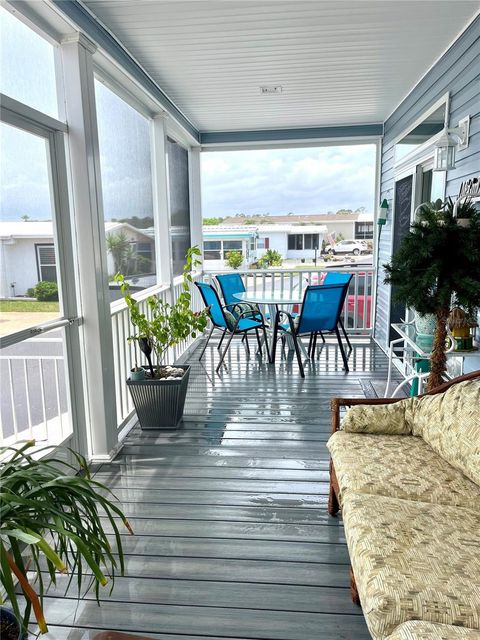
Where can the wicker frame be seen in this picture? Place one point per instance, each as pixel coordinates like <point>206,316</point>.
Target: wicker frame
<point>336,404</point>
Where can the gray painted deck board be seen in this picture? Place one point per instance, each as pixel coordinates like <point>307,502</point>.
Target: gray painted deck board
<point>232,537</point>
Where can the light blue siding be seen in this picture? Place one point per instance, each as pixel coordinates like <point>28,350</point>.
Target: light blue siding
<point>457,72</point>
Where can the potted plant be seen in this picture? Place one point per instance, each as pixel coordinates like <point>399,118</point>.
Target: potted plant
<point>50,519</point>
<point>160,397</point>
<point>437,265</point>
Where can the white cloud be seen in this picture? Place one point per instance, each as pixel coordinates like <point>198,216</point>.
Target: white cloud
<point>303,180</point>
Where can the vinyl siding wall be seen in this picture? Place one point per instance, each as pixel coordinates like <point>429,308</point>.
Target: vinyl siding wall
<point>457,72</point>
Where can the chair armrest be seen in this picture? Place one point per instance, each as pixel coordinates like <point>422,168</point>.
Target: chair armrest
<point>393,427</point>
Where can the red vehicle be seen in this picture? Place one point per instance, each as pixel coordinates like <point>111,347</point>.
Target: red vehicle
<point>363,309</point>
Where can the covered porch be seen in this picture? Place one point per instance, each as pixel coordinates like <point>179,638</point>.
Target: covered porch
<point>116,103</point>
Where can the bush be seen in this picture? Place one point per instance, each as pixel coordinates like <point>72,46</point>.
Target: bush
<point>46,291</point>
<point>271,258</point>
<point>31,292</point>
<point>234,259</point>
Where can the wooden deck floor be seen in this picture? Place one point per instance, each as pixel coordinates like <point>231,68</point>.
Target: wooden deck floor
<point>233,539</point>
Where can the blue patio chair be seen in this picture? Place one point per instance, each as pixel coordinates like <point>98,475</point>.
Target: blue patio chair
<point>223,319</point>
<point>331,277</point>
<point>337,277</point>
<point>321,310</point>
<point>230,284</point>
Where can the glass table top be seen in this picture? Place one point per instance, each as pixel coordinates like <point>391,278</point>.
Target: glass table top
<point>271,297</point>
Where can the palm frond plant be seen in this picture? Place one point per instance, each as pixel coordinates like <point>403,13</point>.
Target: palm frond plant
<point>437,266</point>
<point>51,518</point>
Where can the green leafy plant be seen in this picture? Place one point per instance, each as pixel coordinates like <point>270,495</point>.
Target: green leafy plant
<point>165,324</point>
<point>234,259</point>
<point>436,266</point>
<point>46,291</point>
<point>271,258</point>
<point>50,514</point>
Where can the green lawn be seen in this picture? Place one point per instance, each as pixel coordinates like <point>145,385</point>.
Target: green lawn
<point>27,306</point>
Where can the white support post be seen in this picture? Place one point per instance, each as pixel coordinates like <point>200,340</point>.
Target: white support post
<point>89,224</point>
<point>196,232</point>
<point>161,207</point>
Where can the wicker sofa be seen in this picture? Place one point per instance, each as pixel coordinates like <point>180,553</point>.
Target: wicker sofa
<point>406,474</point>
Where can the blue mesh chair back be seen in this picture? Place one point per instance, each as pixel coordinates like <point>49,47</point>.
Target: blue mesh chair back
<point>337,277</point>
<point>322,306</point>
<point>211,299</point>
<point>230,284</point>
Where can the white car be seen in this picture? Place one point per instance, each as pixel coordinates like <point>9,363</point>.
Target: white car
<point>347,246</point>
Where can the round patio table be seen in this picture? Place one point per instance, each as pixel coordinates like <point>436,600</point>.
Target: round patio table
<point>273,300</point>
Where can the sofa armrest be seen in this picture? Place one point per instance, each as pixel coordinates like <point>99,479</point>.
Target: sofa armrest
<point>372,416</point>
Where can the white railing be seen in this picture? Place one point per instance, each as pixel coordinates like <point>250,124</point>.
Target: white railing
<point>126,353</point>
<point>358,308</point>
<point>34,403</point>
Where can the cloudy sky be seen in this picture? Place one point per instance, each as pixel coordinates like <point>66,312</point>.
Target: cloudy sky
<point>280,181</point>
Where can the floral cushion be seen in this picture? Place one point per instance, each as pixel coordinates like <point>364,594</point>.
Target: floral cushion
<point>450,423</point>
<point>420,630</point>
<point>378,418</point>
<point>413,561</point>
<point>400,467</point>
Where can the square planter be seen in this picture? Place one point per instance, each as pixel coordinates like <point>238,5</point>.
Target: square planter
<point>159,403</point>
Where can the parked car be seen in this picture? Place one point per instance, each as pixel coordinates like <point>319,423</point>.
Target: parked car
<point>347,246</point>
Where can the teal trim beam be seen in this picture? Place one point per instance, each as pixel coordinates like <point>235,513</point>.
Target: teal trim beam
<point>286,135</point>
<point>101,36</point>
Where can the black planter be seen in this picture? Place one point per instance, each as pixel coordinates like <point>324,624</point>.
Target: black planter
<point>159,403</point>
<point>10,628</point>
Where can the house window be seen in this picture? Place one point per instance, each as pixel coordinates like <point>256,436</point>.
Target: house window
<point>46,262</point>
<point>364,230</point>
<point>212,250</point>
<point>219,249</point>
<point>299,242</point>
<point>144,257</point>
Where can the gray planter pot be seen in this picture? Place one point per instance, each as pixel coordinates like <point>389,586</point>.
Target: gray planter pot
<point>159,403</point>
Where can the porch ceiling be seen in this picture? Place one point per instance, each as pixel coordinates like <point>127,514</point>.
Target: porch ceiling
<point>339,63</point>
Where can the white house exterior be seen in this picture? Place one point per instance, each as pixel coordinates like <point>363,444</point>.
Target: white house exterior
<point>27,253</point>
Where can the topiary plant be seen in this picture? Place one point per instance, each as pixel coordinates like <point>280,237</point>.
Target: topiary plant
<point>437,265</point>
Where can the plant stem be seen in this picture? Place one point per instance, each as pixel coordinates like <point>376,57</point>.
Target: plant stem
<point>438,361</point>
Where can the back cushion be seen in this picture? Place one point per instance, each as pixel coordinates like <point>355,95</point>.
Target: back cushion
<point>450,423</point>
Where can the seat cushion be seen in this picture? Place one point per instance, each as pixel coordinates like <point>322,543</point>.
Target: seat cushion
<point>420,630</point>
<point>399,467</point>
<point>413,561</point>
<point>450,423</point>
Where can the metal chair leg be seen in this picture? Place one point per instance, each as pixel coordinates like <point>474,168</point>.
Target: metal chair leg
<point>222,357</point>
<point>345,334</point>
<point>297,348</point>
<point>265,340</point>
<point>314,345</point>
<point>258,342</point>
<point>275,337</point>
<point>206,343</point>
<point>221,339</point>
<point>310,343</point>
<point>247,346</point>
<point>342,350</point>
